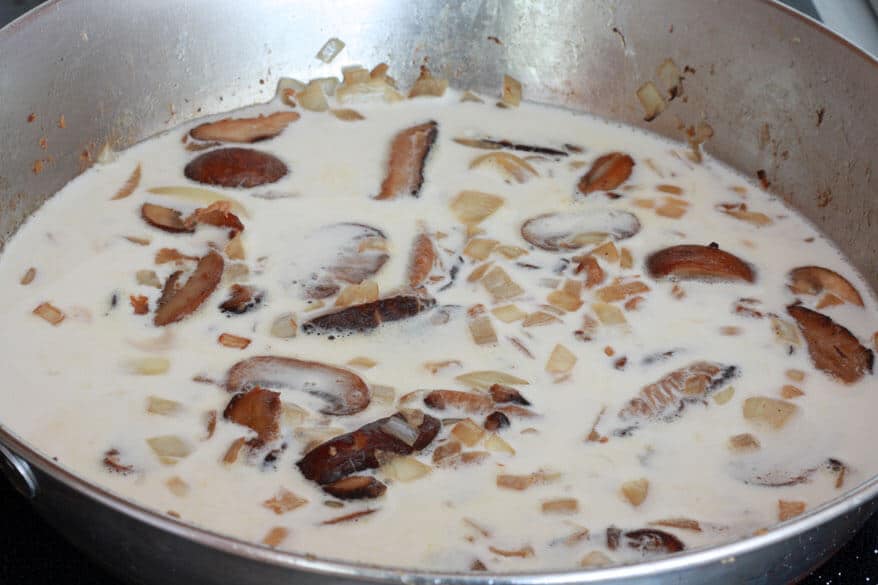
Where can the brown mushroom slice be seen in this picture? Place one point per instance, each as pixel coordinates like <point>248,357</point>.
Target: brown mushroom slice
<point>652,541</point>
<point>258,409</point>
<point>467,402</point>
<point>244,129</point>
<point>241,299</point>
<point>356,487</point>
<point>217,214</point>
<point>608,172</point>
<point>164,218</point>
<point>359,450</point>
<point>832,348</point>
<point>665,399</point>
<point>368,316</point>
<point>344,392</point>
<point>236,168</point>
<point>506,394</point>
<point>349,253</point>
<point>176,303</point>
<point>422,259</point>
<point>408,153</point>
<point>694,262</point>
<point>779,477</point>
<point>813,280</point>
<point>491,144</point>
<point>576,229</point>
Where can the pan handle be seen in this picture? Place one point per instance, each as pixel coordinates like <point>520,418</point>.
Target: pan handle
<point>19,473</point>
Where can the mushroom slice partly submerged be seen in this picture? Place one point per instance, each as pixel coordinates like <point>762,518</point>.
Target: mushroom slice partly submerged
<point>368,316</point>
<point>608,172</point>
<point>665,399</point>
<point>356,487</point>
<point>652,541</point>
<point>777,476</point>
<point>573,230</point>
<point>236,168</point>
<point>165,218</point>
<point>359,449</point>
<point>468,402</point>
<point>344,392</point>
<point>344,253</point>
<point>813,280</point>
<point>176,303</point>
<point>832,348</point>
<point>694,262</point>
<point>244,129</point>
<point>258,409</point>
<point>408,153</point>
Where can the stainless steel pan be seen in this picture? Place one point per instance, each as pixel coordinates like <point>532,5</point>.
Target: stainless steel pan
<point>784,96</point>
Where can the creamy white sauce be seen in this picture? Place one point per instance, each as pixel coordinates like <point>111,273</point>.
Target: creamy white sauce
<point>70,391</point>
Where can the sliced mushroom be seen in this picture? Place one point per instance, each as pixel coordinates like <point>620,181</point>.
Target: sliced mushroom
<point>258,409</point>
<point>652,540</point>
<point>693,262</point>
<point>241,299</point>
<point>665,399</point>
<point>490,144</point>
<point>359,450</point>
<point>502,393</point>
<point>779,477</point>
<point>467,402</point>
<point>368,316</point>
<point>422,259</point>
<point>356,487</point>
<point>608,172</point>
<point>349,253</point>
<point>344,392</point>
<point>244,129</point>
<point>408,153</point>
<point>236,167</point>
<point>813,280</point>
<point>832,348</point>
<point>576,229</point>
<point>496,421</point>
<point>216,214</point>
<point>176,303</point>
<point>164,218</point>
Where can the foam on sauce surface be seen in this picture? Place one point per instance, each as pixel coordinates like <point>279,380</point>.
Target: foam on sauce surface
<point>595,466</point>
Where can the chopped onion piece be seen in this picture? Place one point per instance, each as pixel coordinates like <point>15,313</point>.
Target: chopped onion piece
<point>500,286</point>
<point>775,413</point>
<point>284,501</point>
<point>235,248</point>
<point>150,366</point>
<point>169,448</point>
<point>347,115</point>
<point>478,272</point>
<point>358,294</point>
<point>652,101</point>
<point>495,443</point>
<point>508,313</point>
<point>479,248</point>
<point>49,312</point>
<point>561,506</point>
<point>484,379</point>
<point>275,536</point>
<point>162,406</point>
<point>28,276</point>
<point>383,394</point>
<point>724,395</point>
<point>148,278</point>
<point>561,361</point>
<point>595,559</point>
<point>609,314</point>
<point>671,78</point>
<point>472,207</point>
<point>233,341</point>
<point>405,468</point>
<point>312,97</point>
<point>482,330</point>
<point>744,442</point>
<point>285,326</point>
<point>511,95</point>
<point>362,362</point>
<point>397,427</point>
<point>330,50</point>
<point>427,85</point>
<point>511,167</point>
<point>292,414</point>
<point>635,491</point>
<point>789,509</point>
<point>511,252</point>
<point>539,318</point>
<point>468,432</point>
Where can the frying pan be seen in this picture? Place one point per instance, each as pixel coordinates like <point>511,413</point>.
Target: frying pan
<point>788,100</point>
